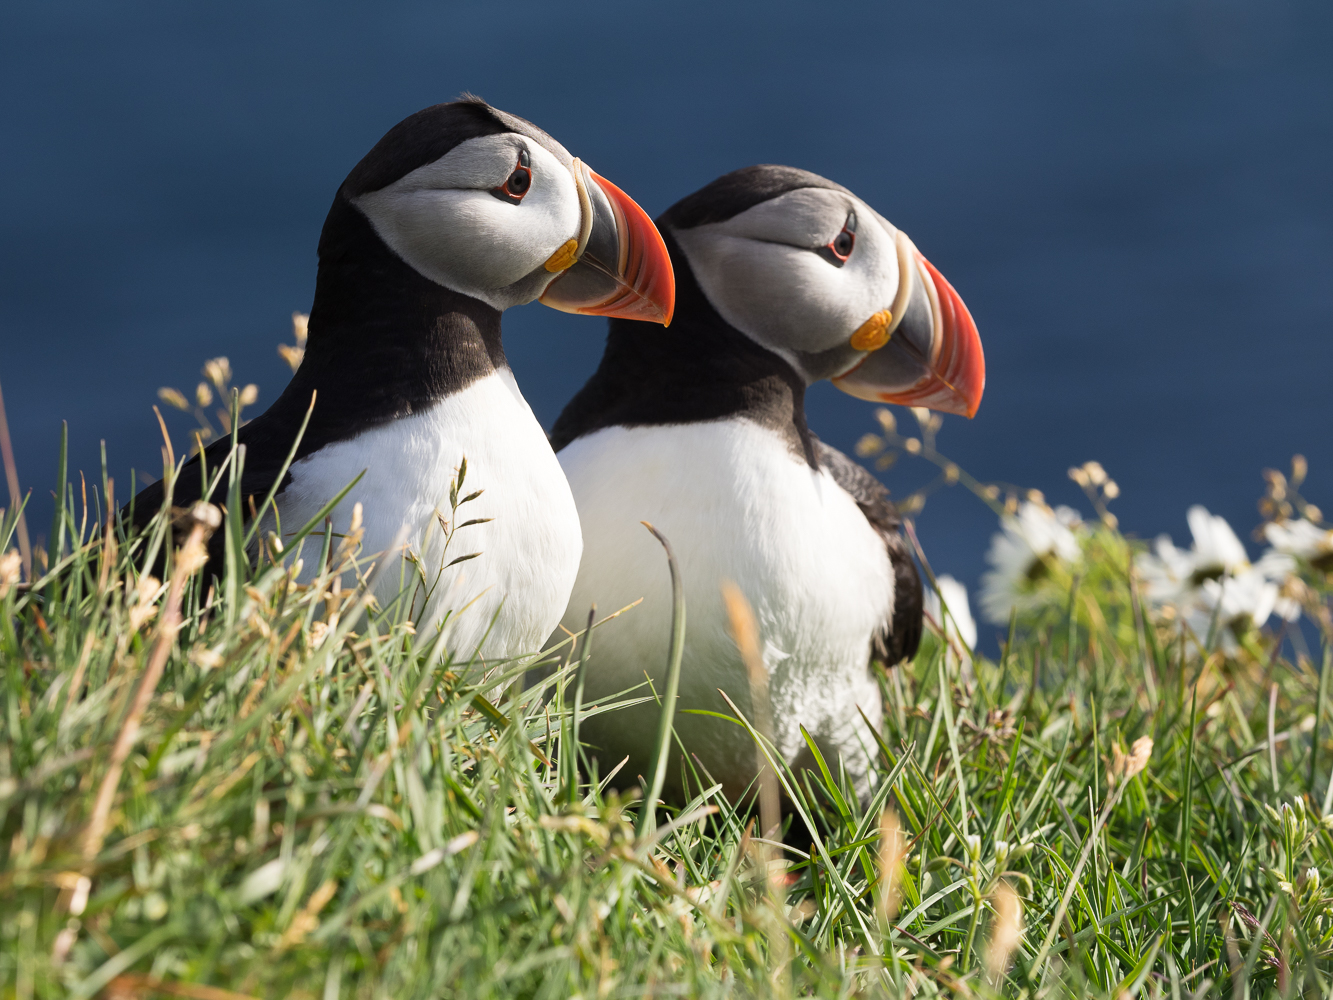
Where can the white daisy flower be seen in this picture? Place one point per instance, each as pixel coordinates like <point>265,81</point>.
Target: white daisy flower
<point>1217,550</point>
<point>1302,540</point>
<point>1021,554</point>
<point>1231,605</point>
<point>961,624</point>
<point>1294,542</point>
<point>1174,576</point>
<point>1166,572</point>
<point>1212,585</point>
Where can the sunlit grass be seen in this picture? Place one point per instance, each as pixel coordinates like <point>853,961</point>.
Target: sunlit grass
<point>266,788</point>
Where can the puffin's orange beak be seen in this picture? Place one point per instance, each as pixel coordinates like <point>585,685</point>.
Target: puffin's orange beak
<point>933,357</point>
<point>620,266</point>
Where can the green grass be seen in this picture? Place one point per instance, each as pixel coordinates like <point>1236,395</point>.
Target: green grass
<point>300,799</point>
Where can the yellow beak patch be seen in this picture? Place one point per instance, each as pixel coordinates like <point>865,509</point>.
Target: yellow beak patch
<point>871,335</point>
<point>564,258</point>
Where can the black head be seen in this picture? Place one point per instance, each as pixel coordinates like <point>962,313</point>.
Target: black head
<point>807,269</point>
<point>486,204</point>
<point>739,190</point>
<point>429,134</point>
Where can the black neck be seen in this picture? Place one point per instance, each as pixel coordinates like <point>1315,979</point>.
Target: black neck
<point>698,369</point>
<point>384,343</point>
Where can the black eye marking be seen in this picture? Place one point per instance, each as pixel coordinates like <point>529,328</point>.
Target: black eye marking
<point>518,183</point>
<point>841,246</point>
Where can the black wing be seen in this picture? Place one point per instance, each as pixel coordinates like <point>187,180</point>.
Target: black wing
<point>900,635</point>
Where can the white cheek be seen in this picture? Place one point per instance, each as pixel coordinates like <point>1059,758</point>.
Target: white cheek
<point>789,298</point>
<point>471,241</point>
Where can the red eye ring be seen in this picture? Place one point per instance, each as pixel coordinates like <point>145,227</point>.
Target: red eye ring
<point>840,248</point>
<point>842,245</point>
<point>518,183</point>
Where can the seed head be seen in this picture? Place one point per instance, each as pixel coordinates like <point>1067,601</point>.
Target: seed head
<point>870,444</point>
<point>173,397</point>
<point>218,371</point>
<point>145,596</point>
<point>1125,766</point>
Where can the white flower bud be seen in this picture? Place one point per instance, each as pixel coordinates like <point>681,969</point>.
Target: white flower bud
<point>973,844</point>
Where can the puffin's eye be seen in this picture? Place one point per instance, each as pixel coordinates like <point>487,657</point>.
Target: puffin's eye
<point>518,183</point>
<point>841,246</point>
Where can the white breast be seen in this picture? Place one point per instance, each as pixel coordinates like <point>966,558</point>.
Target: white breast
<point>529,551</point>
<point>735,504</point>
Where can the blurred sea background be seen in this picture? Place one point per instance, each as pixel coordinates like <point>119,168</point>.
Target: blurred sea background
<point>1134,198</point>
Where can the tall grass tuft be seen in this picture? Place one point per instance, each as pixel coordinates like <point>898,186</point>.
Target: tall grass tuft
<point>264,786</point>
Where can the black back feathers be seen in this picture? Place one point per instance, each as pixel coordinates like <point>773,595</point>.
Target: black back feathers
<point>900,635</point>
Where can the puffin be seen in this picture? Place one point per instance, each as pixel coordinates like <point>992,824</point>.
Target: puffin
<point>783,278</point>
<point>458,213</point>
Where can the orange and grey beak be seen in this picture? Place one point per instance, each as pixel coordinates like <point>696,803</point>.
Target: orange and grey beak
<point>924,350</point>
<point>618,266</point>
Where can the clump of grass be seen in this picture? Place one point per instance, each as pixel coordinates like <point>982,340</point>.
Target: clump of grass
<point>264,787</point>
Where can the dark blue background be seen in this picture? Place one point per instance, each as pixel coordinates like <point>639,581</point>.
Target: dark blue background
<point>1134,199</point>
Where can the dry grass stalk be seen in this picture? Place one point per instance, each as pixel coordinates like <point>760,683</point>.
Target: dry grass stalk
<point>1139,755</point>
<point>892,853</point>
<point>745,631</point>
<point>136,986</point>
<point>15,497</point>
<point>1006,931</point>
<point>11,568</point>
<point>192,556</point>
